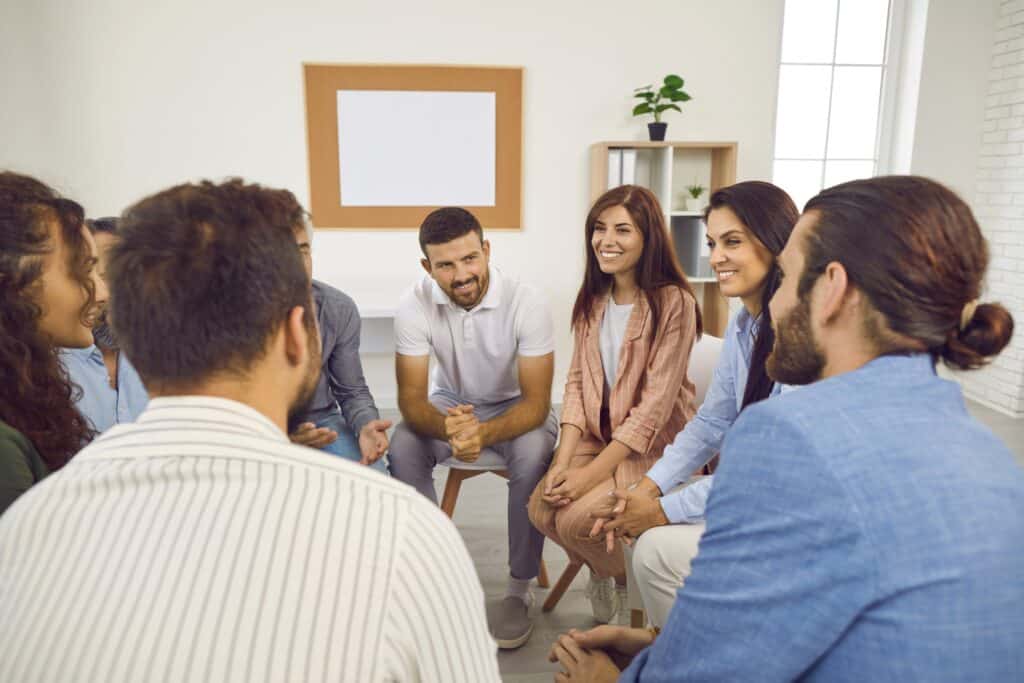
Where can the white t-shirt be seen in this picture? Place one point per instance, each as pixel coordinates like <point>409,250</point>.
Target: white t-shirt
<point>476,350</point>
<point>613,329</point>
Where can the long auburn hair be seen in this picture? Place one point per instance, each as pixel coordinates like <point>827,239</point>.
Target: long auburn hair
<point>37,397</point>
<point>768,214</point>
<point>658,266</point>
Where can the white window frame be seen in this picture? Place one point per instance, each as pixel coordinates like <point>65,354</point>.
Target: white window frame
<point>885,130</point>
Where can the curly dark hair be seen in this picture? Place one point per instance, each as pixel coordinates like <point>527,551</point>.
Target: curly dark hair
<point>37,397</point>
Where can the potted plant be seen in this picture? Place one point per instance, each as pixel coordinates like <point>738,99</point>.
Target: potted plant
<point>657,101</point>
<point>693,201</point>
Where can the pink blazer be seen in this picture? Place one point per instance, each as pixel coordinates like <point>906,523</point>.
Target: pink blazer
<point>652,398</point>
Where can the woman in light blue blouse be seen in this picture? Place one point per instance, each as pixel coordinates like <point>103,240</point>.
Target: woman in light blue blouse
<point>747,226</point>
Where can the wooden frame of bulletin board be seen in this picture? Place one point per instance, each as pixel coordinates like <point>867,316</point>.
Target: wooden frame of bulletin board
<point>324,85</point>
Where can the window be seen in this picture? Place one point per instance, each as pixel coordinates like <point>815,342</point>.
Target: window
<point>831,75</point>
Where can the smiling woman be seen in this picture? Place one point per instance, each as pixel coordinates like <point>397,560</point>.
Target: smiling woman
<point>48,297</point>
<point>627,393</point>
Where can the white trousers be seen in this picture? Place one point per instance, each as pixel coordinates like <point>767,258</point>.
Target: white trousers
<point>661,563</point>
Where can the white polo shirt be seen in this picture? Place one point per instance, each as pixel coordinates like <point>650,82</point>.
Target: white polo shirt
<point>476,350</point>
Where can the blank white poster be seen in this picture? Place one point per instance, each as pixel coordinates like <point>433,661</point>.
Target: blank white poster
<point>416,148</point>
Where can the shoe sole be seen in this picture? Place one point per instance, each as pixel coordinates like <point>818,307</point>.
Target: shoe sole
<point>514,643</point>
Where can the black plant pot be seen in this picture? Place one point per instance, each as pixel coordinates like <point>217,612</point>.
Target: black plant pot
<point>657,130</point>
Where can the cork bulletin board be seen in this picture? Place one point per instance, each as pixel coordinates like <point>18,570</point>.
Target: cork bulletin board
<point>387,144</point>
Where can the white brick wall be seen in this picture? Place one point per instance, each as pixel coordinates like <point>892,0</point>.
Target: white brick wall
<point>999,206</point>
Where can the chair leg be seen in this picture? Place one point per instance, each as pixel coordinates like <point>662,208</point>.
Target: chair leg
<point>562,585</point>
<point>451,491</point>
<point>542,575</point>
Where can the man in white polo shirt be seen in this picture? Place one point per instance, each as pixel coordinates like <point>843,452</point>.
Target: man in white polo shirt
<point>494,345</point>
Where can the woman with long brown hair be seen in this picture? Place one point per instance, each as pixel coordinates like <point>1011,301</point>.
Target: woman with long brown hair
<point>48,299</point>
<point>627,393</point>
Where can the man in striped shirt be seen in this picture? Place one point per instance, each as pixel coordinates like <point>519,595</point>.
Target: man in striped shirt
<point>198,543</point>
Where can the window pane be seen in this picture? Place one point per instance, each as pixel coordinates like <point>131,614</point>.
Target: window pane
<point>809,30</point>
<point>854,118</point>
<point>803,111</point>
<point>840,171</point>
<point>862,31</point>
<point>801,179</point>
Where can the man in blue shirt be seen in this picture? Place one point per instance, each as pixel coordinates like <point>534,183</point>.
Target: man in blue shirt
<point>111,390</point>
<point>341,418</point>
<point>865,528</point>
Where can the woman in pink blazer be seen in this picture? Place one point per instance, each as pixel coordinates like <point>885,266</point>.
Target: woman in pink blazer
<point>627,394</point>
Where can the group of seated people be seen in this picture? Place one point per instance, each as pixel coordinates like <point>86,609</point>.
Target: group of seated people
<point>165,374</point>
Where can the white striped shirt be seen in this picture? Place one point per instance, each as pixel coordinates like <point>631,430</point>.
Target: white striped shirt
<point>198,544</point>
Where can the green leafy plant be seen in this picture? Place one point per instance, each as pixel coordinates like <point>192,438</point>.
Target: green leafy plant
<point>695,190</point>
<point>671,91</point>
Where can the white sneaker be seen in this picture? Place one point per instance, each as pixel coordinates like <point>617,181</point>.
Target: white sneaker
<point>624,615</point>
<point>604,599</point>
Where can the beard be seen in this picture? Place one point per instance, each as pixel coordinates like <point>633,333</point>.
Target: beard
<point>103,334</point>
<point>796,359</point>
<point>307,390</point>
<point>472,298</point>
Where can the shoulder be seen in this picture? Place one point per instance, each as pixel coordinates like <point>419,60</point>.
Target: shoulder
<point>19,460</point>
<point>517,293</point>
<point>333,300</point>
<point>11,440</point>
<point>416,299</point>
<point>673,298</point>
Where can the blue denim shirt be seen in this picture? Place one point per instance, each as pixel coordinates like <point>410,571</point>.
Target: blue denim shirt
<point>342,385</point>
<point>864,528</point>
<point>702,437</point>
<point>102,406</point>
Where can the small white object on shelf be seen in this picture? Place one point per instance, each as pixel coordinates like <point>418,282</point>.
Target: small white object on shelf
<point>614,168</point>
<point>628,166</point>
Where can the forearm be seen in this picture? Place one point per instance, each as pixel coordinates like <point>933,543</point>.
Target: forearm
<point>523,417</point>
<point>570,439</point>
<point>609,458</point>
<point>422,417</point>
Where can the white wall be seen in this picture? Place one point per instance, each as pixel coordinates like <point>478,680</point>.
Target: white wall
<point>967,132</point>
<point>112,100</point>
<point>999,205</point>
<point>953,86</point>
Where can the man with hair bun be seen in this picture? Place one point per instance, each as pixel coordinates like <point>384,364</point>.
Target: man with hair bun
<point>866,527</point>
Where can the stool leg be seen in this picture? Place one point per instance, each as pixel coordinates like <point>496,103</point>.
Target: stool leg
<point>451,491</point>
<point>563,584</point>
<point>542,575</point>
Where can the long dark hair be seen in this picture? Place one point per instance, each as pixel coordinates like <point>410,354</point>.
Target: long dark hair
<point>769,215</point>
<point>913,247</point>
<point>658,265</point>
<point>37,397</point>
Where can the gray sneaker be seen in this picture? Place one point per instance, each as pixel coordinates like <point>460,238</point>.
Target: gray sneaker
<point>510,622</point>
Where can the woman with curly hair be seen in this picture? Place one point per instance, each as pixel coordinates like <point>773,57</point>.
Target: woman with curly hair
<point>48,299</point>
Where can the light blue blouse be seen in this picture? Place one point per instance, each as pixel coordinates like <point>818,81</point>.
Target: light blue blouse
<point>702,437</point>
<point>102,406</point>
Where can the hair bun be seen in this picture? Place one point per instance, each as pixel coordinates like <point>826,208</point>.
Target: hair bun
<point>978,337</point>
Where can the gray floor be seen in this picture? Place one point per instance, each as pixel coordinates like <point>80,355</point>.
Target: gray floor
<point>480,517</point>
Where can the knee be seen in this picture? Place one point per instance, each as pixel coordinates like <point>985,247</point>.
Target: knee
<point>530,455</point>
<point>539,512</point>
<point>406,448</point>
<point>646,557</point>
<point>574,524</point>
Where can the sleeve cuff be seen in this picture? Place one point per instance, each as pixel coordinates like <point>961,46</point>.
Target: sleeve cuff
<point>687,505</point>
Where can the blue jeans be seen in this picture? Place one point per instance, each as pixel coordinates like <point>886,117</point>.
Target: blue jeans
<point>346,445</point>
